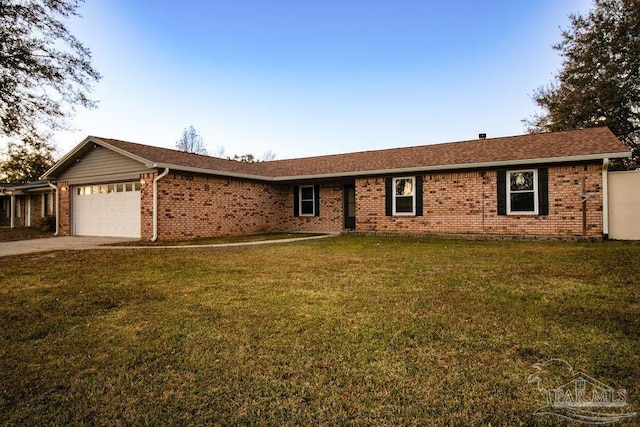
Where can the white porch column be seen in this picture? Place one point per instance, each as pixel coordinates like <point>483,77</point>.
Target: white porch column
<point>13,211</point>
<point>27,211</point>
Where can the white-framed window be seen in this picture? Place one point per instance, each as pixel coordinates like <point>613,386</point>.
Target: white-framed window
<point>522,192</point>
<point>108,188</point>
<point>404,196</point>
<point>307,200</point>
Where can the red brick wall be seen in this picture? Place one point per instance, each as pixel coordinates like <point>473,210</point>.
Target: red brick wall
<point>192,206</point>
<point>466,202</point>
<point>146,205</point>
<point>64,192</point>
<point>331,218</point>
<point>20,206</point>
<point>36,209</point>
<point>5,209</point>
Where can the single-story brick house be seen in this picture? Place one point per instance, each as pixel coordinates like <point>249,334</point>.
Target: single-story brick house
<point>24,204</point>
<point>528,185</point>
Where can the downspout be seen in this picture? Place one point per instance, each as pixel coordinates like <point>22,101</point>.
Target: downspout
<point>605,199</point>
<point>155,203</point>
<point>55,188</point>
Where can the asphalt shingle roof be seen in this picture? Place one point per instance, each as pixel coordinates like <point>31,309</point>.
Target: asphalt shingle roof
<point>582,144</point>
<point>551,145</point>
<point>534,146</point>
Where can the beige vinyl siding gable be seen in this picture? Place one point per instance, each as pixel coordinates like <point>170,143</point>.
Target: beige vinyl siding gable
<point>102,165</point>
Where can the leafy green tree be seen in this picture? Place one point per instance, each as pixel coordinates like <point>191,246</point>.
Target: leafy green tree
<point>45,72</point>
<point>191,142</point>
<point>599,83</point>
<point>27,161</point>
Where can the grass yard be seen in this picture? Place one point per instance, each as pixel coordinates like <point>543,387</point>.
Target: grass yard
<point>22,233</point>
<point>218,240</point>
<point>345,330</point>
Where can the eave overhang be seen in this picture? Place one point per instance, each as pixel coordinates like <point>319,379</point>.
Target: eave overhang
<point>399,171</point>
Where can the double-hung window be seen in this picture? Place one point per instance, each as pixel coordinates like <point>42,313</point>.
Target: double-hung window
<point>307,200</point>
<point>522,192</point>
<point>404,196</point>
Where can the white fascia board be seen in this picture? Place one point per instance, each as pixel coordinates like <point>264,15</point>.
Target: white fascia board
<point>78,148</point>
<point>481,165</point>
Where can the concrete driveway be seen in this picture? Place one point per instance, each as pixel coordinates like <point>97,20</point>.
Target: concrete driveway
<point>56,244</point>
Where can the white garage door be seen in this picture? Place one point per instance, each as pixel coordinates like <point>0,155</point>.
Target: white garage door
<point>107,210</point>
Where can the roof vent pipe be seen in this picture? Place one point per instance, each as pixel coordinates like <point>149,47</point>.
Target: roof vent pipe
<point>482,136</point>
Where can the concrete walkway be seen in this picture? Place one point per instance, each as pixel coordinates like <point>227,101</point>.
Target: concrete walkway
<point>56,244</point>
<point>228,245</point>
<point>74,243</point>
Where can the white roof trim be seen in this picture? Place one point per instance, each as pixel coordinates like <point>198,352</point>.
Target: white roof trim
<point>480,165</point>
<point>208,171</point>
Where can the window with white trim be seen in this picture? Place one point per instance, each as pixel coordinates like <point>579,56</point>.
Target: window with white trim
<point>522,191</point>
<point>107,189</point>
<point>404,196</point>
<point>307,200</point>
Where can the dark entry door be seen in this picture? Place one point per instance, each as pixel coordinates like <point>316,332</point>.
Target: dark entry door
<point>350,206</point>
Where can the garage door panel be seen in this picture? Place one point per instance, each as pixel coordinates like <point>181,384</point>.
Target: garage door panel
<point>106,213</point>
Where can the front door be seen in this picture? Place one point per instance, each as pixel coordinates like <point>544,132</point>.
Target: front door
<point>350,206</point>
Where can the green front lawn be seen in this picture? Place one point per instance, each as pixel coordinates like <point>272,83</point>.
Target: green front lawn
<point>203,241</point>
<point>345,330</point>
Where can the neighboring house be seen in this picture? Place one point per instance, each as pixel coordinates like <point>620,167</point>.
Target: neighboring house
<point>529,185</point>
<point>22,205</point>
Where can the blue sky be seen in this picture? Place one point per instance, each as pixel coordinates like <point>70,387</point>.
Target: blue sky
<point>304,78</point>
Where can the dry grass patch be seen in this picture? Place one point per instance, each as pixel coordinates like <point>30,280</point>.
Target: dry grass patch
<point>218,240</point>
<point>348,330</point>
<point>22,233</point>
